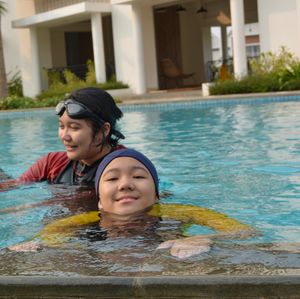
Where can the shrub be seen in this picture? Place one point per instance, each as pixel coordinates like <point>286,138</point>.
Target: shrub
<point>54,78</point>
<point>61,83</point>
<point>91,74</point>
<point>15,102</point>
<point>269,72</point>
<point>248,84</point>
<point>15,84</point>
<point>275,63</point>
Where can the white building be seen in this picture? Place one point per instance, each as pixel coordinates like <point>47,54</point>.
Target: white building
<point>129,38</point>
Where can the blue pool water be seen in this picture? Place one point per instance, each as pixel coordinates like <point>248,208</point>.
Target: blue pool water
<point>239,159</point>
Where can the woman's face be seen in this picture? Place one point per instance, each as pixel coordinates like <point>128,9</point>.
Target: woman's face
<point>126,187</point>
<point>77,137</point>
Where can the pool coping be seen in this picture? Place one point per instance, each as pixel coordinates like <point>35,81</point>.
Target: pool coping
<point>196,95</point>
<point>184,97</point>
<point>202,286</point>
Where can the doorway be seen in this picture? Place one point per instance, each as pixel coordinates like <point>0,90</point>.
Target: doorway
<point>168,41</point>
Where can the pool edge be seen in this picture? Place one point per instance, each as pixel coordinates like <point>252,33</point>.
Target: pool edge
<point>204,286</point>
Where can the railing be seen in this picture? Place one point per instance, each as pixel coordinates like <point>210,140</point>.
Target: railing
<point>46,5</point>
<point>213,67</point>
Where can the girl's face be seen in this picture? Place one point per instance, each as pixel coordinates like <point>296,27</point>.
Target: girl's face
<point>126,187</point>
<point>77,137</point>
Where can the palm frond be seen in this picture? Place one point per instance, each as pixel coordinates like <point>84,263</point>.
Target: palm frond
<point>3,8</point>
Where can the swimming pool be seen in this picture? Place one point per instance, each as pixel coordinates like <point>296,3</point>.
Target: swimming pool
<point>238,158</point>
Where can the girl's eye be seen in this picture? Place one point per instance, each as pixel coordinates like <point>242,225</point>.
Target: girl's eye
<point>138,177</point>
<point>75,128</point>
<point>110,179</point>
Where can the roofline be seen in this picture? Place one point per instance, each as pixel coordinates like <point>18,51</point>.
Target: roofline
<point>61,13</point>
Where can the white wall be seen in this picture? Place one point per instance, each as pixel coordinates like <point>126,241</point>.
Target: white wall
<point>31,83</point>
<point>149,48</point>
<point>278,25</point>
<point>58,41</point>
<point>122,35</point>
<point>44,54</point>
<point>125,52</point>
<point>10,40</point>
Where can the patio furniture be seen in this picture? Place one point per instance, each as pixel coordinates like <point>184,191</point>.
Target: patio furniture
<point>171,71</point>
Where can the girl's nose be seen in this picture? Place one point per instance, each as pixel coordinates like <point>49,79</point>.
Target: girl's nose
<point>126,183</point>
<point>64,135</point>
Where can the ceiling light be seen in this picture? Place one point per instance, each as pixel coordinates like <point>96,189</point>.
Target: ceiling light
<point>180,8</point>
<point>202,9</point>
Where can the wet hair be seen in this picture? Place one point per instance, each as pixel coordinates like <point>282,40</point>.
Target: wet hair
<point>127,153</point>
<point>100,103</point>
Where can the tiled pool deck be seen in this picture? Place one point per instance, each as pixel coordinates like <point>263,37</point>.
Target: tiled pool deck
<point>164,287</point>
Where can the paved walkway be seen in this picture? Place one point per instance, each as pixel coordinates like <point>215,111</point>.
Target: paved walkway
<point>187,94</point>
<point>127,97</point>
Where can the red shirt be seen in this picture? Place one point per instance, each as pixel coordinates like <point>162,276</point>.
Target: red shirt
<point>46,169</point>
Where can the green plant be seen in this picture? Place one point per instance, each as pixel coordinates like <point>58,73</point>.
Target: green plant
<point>54,78</point>
<point>289,76</point>
<point>91,74</point>
<point>248,84</point>
<point>71,78</point>
<point>15,87</point>
<point>270,62</point>
<point>16,102</point>
<point>270,72</point>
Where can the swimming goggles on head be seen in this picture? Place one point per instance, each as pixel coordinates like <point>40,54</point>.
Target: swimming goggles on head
<point>76,110</point>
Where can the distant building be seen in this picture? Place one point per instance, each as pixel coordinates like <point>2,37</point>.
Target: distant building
<point>129,38</point>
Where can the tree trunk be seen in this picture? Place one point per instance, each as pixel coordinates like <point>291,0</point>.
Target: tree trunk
<point>3,78</point>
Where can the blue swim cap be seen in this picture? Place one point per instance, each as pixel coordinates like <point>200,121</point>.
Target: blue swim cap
<point>126,153</point>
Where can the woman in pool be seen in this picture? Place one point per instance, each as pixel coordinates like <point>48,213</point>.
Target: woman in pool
<point>127,187</point>
<point>87,129</point>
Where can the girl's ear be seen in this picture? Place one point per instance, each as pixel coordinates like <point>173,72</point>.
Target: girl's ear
<point>106,128</point>
<point>103,133</point>
<point>99,204</point>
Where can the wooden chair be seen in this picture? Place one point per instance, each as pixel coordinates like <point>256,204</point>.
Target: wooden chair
<point>171,71</point>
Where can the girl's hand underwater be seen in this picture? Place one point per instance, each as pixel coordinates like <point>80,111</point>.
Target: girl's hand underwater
<point>30,246</point>
<point>187,247</point>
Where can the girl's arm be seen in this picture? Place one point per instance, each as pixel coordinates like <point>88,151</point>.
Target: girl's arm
<point>57,232</point>
<point>225,226</point>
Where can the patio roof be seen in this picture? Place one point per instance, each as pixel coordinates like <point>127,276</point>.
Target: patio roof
<point>67,14</point>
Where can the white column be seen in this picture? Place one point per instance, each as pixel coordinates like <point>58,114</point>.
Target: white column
<point>298,25</point>
<point>224,42</point>
<point>140,86</point>
<point>238,35</point>
<point>98,47</point>
<point>32,85</point>
<point>45,54</point>
<point>207,52</point>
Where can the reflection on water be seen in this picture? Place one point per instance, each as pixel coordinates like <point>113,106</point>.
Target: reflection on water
<point>127,250</point>
<point>241,160</point>
<point>146,261</point>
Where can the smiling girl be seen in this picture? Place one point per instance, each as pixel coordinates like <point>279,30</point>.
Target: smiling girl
<point>87,129</point>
